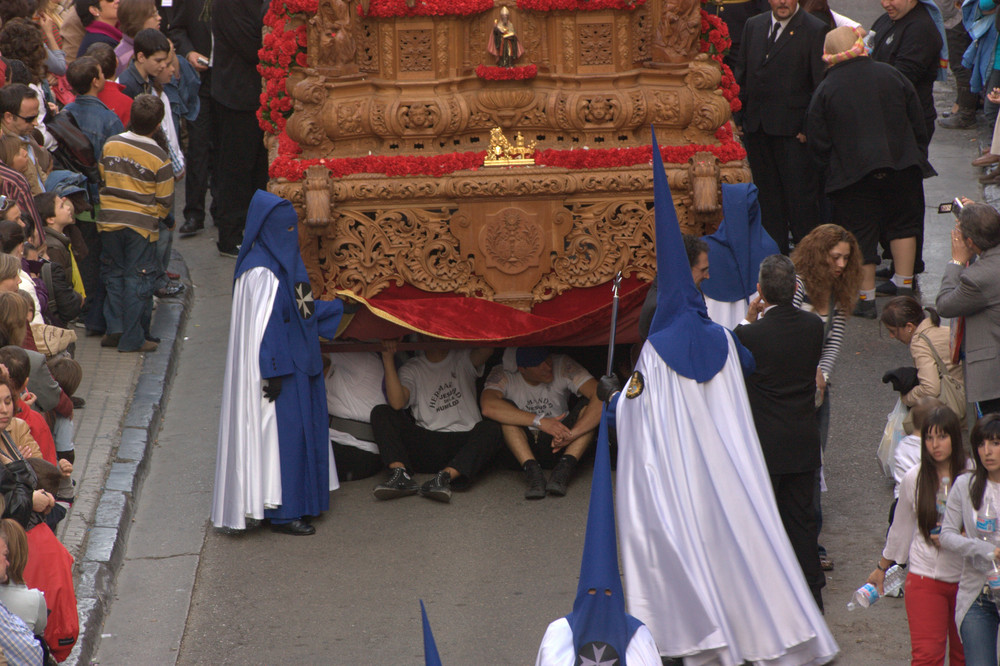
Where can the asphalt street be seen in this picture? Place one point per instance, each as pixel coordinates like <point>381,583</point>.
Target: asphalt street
<point>492,568</point>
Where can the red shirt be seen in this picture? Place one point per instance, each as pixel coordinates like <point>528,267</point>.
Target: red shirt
<point>113,97</point>
<point>39,430</point>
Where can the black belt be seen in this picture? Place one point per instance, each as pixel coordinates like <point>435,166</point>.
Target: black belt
<point>359,429</point>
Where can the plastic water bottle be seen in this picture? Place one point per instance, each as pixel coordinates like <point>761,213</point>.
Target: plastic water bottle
<point>942,502</point>
<point>986,522</point>
<point>867,594</point>
<point>993,582</point>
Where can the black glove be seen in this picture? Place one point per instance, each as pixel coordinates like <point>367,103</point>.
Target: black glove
<point>607,387</point>
<point>272,388</point>
<point>903,379</point>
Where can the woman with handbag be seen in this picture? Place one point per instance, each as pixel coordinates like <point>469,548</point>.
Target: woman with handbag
<point>930,347</point>
<point>17,478</point>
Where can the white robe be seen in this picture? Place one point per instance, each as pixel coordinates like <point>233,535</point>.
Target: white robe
<point>247,466</point>
<point>557,647</point>
<point>708,566</point>
<point>725,313</point>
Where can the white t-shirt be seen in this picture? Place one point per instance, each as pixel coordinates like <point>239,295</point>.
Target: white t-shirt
<point>353,389</point>
<point>906,457</point>
<point>550,399</point>
<point>443,395</point>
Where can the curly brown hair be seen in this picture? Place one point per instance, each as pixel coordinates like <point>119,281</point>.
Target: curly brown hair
<point>22,39</point>
<point>811,259</point>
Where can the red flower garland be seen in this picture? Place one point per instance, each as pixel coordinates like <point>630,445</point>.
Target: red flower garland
<point>577,5</point>
<point>506,73</point>
<point>715,41</point>
<point>390,8</point>
<point>282,46</point>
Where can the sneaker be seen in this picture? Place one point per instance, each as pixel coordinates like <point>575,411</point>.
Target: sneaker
<point>866,310</point>
<point>885,273</point>
<point>438,488</point>
<point>535,480</point>
<point>561,473</point>
<point>400,484</point>
<point>171,290</point>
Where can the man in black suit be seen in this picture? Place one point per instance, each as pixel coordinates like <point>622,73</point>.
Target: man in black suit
<point>778,67</point>
<point>786,343</point>
<point>191,32</point>
<point>240,167</point>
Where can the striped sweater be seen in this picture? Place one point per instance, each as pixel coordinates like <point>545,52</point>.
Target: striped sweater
<point>138,189</point>
<point>834,331</point>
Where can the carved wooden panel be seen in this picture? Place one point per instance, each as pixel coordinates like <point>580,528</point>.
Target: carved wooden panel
<point>641,34</point>
<point>366,36</point>
<point>595,44</point>
<point>415,50</point>
<point>388,56</point>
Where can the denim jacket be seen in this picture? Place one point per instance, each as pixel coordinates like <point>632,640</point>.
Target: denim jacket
<point>96,121</point>
<point>134,82</point>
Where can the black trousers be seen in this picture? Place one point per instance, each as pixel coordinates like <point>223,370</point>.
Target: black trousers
<point>240,169</point>
<point>400,439</point>
<point>958,40</point>
<point>788,180</point>
<point>540,442</point>
<point>794,496</point>
<point>198,159</point>
<point>354,463</point>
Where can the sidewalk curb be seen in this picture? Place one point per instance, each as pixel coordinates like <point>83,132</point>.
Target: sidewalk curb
<point>104,551</point>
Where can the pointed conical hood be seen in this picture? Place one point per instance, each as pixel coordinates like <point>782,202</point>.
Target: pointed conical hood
<point>737,247</point>
<point>681,332</point>
<point>431,657</point>
<point>599,622</point>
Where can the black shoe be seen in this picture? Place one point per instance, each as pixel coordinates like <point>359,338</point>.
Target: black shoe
<point>400,484</point>
<point>153,338</point>
<point>866,310</point>
<point>890,289</point>
<point>297,527</point>
<point>559,479</point>
<point>111,340</point>
<point>438,488</point>
<point>229,250</point>
<point>535,480</point>
<point>884,273</point>
<point>190,228</point>
<point>964,119</point>
<point>78,402</point>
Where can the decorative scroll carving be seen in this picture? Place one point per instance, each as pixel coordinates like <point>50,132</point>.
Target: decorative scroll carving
<point>366,38</point>
<point>441,49</point>
<point>621,40</point>
<point>595,44</point>
<point>569,43</point>
<point>414,50</point>
<point>403,245</point>
<point>388,51</point>
<point>641,35</point>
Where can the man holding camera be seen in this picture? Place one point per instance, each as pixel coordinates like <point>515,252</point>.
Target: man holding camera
<point>970,290</point>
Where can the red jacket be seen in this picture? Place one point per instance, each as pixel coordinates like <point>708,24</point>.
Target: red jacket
<point>50,569</point>
<point>113,97</point>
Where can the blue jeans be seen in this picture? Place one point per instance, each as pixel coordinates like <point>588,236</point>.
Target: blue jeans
<point>128,270</point>
<point>979,633</point>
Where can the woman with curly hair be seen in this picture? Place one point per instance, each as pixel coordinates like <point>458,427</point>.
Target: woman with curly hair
<point>22,39</point>
<point>828,274</point>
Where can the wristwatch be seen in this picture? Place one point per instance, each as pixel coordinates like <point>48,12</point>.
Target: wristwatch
<point>537,422</point>
<point>956,262</point>
<point>878,565</point>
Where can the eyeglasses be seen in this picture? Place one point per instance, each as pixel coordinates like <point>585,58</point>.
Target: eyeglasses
<point>27,119</point>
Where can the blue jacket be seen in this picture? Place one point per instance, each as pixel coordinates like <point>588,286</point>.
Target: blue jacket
<point>182,91</point>
<point>96,121</point>
<point>134,82</point>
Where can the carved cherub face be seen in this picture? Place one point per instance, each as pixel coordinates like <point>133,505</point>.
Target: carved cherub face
<point>599,109</point>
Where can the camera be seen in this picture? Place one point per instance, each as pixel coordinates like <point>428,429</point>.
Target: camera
<point>955,206</point>
<point>203,61</point>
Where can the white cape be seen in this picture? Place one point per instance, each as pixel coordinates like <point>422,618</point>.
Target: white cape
<point>557,647</point>
<point>725,313</point>
<point>708,566</point>
<point>247,465</point>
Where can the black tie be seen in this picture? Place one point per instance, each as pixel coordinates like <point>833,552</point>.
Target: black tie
<point>772,38</point>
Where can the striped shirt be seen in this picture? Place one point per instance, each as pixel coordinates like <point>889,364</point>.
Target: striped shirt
<point>17,642</point>
<point>834,332</point>
<point>138,188</point>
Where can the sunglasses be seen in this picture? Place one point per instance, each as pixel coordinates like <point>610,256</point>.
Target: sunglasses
<point>27,119</point>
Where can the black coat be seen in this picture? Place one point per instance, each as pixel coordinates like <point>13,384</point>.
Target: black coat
<point>786,343</point>
<point>775,90</point>
<point>865,116</point>
<point>913,46</point>
<point>187,31</point>
<point>237,26</point>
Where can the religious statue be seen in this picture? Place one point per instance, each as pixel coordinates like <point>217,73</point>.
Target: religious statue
<point>503,41</point>
<point>337,46</point>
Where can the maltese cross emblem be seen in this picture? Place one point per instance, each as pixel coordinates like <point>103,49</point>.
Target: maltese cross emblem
<point>304,299</point>
<point>600,654</point>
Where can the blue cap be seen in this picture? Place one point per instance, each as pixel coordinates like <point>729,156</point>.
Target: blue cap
<point>529,357</point>
<point>681,332</point>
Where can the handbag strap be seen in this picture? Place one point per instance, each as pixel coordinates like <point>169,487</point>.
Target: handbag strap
<point>8,443</point>
<point>942,368</point>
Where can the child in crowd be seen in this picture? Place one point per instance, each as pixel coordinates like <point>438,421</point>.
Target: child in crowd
<point>14,153</point>
<point>68,375</point>
<point>138,193</point>
<point>169,127</point>
<point>111,94</point>
<point>93,116</point>
<point>152,52</point>
<point>56,213</point>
